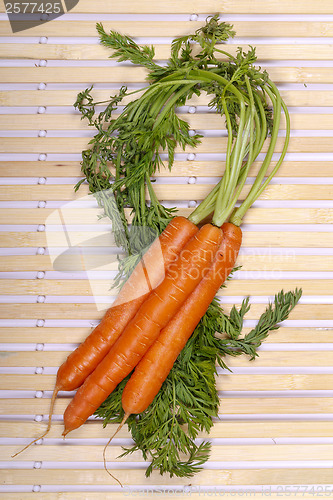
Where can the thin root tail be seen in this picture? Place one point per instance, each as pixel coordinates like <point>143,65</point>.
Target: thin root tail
<point>64,434</point>
<point>54,395</point>
<point>107,444</point>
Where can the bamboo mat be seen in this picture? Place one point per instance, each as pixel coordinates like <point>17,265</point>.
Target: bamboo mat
<point>275,433</point>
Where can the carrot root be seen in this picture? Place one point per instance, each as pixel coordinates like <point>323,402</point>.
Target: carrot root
<point>53,399</point>
<point>107,444</point>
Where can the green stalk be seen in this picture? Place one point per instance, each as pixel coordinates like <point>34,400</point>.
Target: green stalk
<point>210,75</point>
<point>207,205</point>
<point>230,140</point>
<point>172,101</point>
<point>224,196</point>
<point>221,216</point>
<point>223,211</point>
<point>142,200</point>
<point>161,101</point>
<point>148,95</point>
<point>284,150</point>
<point>226,177</point>
<point>255,190</point>
<point>148,98</point>
<point>224,206</point>
<point>145,103</point>
<point>205,208</point>
<point>238,152</point>
<point>225,53</point>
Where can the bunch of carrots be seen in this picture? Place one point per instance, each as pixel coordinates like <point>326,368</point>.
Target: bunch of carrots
<point>172,286</point>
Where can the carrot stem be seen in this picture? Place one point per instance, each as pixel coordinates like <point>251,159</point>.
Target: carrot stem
<point>258,186</point>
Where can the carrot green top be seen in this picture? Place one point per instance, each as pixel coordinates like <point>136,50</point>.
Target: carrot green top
<point>135,143</point>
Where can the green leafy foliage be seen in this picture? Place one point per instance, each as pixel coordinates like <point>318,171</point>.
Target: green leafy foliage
<point>125,49</point>
<point>188,402</point>
<point>128,147</point>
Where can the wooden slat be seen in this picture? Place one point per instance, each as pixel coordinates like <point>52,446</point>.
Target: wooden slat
<point>230,7</point>
<point>279,476</point>
<point>253,216</point>
<point>89,311</point>
<point>246,407</point>
<point>129,74</point>
<point>23,239</point>
<point>266,359</point>
<point>252,239</point>
<point>66,192</point>
<point>208,121</point>
<point>97,495</point>
<point>232,382</point>
<point>225,383</point>
<point>255,262</point>
<point>76,335</point>
<point>224,429</point>
<point>231,405</point>
<point>85,52</point>
<point>15,98</point>
<point>212,145</point>
<point>180,168</point>
<point>187,6</point>
<point>161,28</point>
<point>74,122</point>
<point>254,287</point>
<point>228,453</point>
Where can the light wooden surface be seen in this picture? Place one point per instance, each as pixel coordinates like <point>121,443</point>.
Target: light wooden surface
<point>186,6</point>
<point>88,216</point>
<point>229,405</point>
<point>220,478</point>
<point>210,145</point>
<point>275,358</point>
<point>185,169</point>
<point>115,74</point>
<point>249,28</point>
<point>292,97</point>
<point>234,382</point>
<point>275,429</point>
<point>97,52</point>
<point>175,192</point>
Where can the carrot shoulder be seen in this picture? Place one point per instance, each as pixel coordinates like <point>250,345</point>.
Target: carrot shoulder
<point>155,365</point>
<point>181,278</point>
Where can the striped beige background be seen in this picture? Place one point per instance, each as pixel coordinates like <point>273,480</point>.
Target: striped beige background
<point>275,432</point>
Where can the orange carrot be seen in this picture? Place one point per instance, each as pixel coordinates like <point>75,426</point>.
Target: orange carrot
<point>156,364</point>
<point>181,278</point>
<point>149,272</point>
<point>146,276</point>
